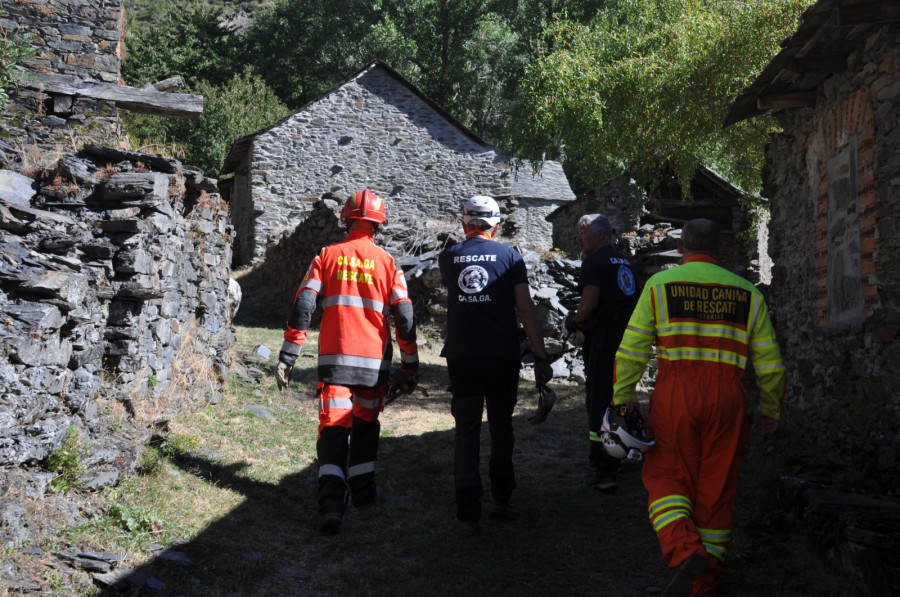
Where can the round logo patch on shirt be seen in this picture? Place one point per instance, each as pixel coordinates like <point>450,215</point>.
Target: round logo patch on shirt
<point>472,279</point>
<point>626,281</point>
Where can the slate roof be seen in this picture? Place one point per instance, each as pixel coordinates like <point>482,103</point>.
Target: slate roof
<point>549,183</point>
<point>829,31</point>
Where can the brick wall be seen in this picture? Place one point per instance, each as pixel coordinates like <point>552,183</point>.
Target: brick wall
<point>852,121</point>
<point>831,177</point>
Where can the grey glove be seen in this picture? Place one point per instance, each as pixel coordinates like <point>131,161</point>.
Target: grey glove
<point>283,375</point>
<point>543,371</point>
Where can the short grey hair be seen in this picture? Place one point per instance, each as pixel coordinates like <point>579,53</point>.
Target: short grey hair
<point>597,222</point>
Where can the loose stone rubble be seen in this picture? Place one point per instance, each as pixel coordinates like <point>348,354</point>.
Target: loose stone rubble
<point>415,245</point>
<point>114,292</point>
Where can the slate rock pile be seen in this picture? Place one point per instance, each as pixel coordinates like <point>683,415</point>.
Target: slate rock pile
<point>416,244</point>
<point>553,281</point>
<point>114,268</point>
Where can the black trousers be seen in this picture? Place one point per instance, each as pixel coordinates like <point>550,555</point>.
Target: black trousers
<point>476,384</point>
<point>599,352</point>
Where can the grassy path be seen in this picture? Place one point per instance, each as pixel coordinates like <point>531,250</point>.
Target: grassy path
<point>232,498</point>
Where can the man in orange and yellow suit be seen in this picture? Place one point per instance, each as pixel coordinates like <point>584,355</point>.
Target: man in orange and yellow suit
<point>706,323</point>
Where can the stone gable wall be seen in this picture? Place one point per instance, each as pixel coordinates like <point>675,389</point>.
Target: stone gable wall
<point>526,224</point>
<point>366,133</point>
<point>618,201</point>
<point>70,37</point>
<point>832,181</point>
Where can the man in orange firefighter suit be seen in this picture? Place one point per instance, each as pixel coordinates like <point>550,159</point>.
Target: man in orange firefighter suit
<point>706,323</point>
<point>358,284</point>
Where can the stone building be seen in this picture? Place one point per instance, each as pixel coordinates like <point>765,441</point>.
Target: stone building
<point>633,213</point>
<point>833,179</point>
<point>376,130</point>
<point>535,195</point>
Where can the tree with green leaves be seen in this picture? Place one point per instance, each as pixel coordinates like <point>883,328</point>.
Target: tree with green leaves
<point>303,47</point>
<point>190,42</point>
<point>240,106</point>
<point>608,86</point>
<point>467,55</point>
<point>644,88</point>
<point>505,44</point>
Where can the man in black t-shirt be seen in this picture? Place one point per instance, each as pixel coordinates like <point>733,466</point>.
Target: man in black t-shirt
<point>608,296</point>
<point>487,284</point>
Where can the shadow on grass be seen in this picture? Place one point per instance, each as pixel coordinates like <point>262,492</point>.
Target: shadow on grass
<point>270,543</point>
<point>560,538</point>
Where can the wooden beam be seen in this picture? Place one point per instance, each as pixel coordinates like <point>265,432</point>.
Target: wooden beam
<point>147,101</point>
<point>820,64</point>
<point>797,99</point>
<point>870,13</point>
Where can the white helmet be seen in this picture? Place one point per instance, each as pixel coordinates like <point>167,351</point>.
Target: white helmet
<point>623,434</point>
<point>482,210</point>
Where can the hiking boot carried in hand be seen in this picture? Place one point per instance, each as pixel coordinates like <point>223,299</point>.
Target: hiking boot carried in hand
<point>681,578</point>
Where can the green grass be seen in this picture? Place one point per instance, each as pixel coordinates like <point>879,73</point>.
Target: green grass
<point>236,494</point>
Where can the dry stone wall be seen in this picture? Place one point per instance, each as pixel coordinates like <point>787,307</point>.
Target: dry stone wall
<point>114,282</point>
<point>843,381</point>
<point>70,37</point>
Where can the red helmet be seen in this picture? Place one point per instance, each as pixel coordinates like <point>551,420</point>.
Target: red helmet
<point>364,205</point>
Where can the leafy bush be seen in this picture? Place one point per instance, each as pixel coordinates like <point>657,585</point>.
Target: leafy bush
<point>13,50</point>
<point>134,519</point>
<point>151,461</point>
<point>67,461</point>
<point>161,448</point>
<point>242,105</point>
<point>179,445</point>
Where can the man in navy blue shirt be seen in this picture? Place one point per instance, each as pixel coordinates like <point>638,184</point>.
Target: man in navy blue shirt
<point>608,296</point>
<point>487,285</point>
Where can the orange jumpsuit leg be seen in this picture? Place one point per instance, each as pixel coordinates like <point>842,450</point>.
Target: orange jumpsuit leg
<point>347,445</point>
<point>700,425</point>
